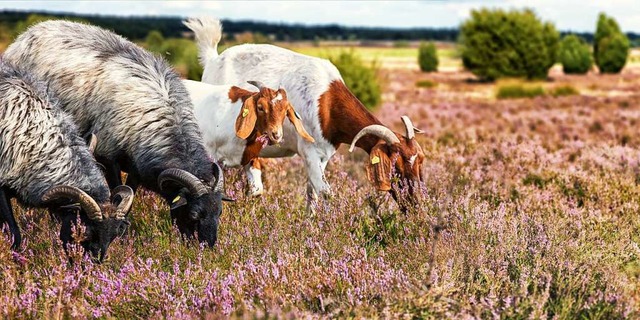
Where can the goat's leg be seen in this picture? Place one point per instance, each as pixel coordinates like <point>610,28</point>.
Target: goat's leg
<point>317,185</point>
<point>6,215</point>
<point>253,170</point>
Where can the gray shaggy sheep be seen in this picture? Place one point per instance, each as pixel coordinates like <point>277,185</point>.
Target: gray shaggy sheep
<point>140,111</point>
<point>45,163</point>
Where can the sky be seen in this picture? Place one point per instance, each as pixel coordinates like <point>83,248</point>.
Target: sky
<point>568,15</point>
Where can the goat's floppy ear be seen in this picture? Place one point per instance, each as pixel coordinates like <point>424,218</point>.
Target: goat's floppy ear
<point>246,121</point>
<point>379,168</point>
<point>295,119</point>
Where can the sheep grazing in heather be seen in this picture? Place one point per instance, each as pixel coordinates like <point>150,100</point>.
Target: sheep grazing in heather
<point>138,108</point>
<point>329,111</point>
<point>236,123</point>
<point>45,163</point>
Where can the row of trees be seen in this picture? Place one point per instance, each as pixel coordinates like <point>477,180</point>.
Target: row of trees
<point>497,43</point>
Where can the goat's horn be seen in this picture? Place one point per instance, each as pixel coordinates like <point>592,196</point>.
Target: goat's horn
<point>377,130</point>
<point>126,199</point>
<point>183,178</point>
<point>257,84</point>
<point>86,202</point>
<point>409,127</point>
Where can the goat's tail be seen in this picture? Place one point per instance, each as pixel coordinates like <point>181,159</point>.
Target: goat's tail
<point>208,32</point>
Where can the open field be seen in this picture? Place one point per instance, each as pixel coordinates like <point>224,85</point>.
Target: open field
<point>530,211</point>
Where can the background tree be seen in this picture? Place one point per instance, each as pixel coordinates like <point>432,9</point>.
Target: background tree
<point>575,55</point>
<point>361,79</point>
<point>428,57</point>
<point>495,43</point>
<point>610,45</point>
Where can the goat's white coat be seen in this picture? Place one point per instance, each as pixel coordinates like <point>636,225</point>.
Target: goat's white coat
<point>305,78</point>
<point>216,117</point>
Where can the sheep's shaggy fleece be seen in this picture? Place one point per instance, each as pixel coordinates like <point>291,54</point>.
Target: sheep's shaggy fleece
<point>133,100</point>
<point>39,144</point>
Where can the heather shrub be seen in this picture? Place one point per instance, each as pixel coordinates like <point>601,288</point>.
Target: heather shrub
<point>360,78</point>
<point>610,45</point>
<point>495,43</point>
<point>428,57</point>
<point>575,55</point>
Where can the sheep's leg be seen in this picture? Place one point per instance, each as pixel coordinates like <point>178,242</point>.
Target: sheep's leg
<point>6,215</point>
<point>111,172</point>
<point>254,178</point>
<point>133,181</point>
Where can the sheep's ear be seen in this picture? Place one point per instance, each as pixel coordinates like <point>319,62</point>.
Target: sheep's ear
<point>178,201</point>
<point>246,121</point>
<point>295,119</point>
<point>379,168</point>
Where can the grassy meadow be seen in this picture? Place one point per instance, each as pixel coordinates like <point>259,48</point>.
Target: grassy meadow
<point>530,210</point>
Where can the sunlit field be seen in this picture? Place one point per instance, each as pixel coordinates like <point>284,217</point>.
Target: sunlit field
<point>387,57</point>
<point>530,210</point>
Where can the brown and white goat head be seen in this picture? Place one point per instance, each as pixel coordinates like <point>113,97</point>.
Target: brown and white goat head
<point>264,112</point>
<point>394,156</point>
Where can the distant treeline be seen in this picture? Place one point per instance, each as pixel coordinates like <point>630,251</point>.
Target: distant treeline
<point>138,27</point>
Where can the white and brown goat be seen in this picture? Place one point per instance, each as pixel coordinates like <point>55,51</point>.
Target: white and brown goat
<point>237,124</point>
<point>331,113</point>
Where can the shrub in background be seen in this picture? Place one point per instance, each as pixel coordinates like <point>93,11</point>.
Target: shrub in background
<point>428,57</point>
<point>361,79</point>
<point>518,90</point>
<point>575,55</point>
<point>497,43</point>
<point>181,53</point>
<point>610,45</point>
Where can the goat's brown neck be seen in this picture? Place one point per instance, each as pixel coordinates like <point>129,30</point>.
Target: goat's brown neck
<point>252,149</point>
<point>342,116</point>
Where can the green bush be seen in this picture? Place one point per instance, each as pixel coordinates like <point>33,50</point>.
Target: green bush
<point>564,90</point>
<point>181,53</point>
<point>428,57</point>
<point>426,84</point>
<point>361,79</point>
<point>498,43</point>
<point>515,91</point>
<point>610,45</point>
<point>574,55</point>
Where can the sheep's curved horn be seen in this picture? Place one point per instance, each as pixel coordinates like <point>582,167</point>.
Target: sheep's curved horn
<point>183,178</point>
<point>257,84</point>
<point>218,184</point>
<point>410,133</point>
<point>126,195</point>
<point>377,130</point>
<point>93,142</point>
<point>86,202</point>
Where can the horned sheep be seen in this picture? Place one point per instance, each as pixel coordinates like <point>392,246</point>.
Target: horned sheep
<point>45,163</point>
<point>138,108</point>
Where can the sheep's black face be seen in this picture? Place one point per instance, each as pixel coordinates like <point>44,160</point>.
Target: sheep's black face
<point>96,236</point>
<point>199,215</point>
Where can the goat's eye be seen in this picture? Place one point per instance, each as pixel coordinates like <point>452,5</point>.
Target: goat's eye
<point>260,107</point>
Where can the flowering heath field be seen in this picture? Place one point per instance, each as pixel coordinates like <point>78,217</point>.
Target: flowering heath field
<point>530,210</point>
